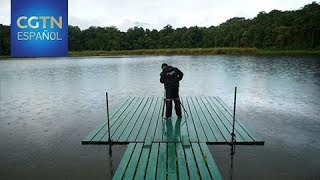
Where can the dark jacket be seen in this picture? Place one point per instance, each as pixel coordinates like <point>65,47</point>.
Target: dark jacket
<point>170,77</point>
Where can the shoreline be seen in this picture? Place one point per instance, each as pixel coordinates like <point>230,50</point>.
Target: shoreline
<point>190,51</point>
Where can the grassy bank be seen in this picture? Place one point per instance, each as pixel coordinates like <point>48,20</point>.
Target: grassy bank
<point>288,52</point>
<point>180,51</point>
<point>192,51</point>
<point>196,51</point>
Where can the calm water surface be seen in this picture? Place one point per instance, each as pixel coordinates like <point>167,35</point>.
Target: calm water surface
<point>48,105</point>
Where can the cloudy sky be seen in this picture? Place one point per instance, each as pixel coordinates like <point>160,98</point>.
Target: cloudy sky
<point>155,14</point>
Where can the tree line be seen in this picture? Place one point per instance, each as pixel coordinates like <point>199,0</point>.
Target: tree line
<point>297,29</point>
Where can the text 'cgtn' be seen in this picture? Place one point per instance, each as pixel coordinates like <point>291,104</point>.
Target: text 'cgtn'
<point>34,22</point>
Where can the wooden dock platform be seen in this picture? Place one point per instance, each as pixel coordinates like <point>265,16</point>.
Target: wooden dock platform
<point>138,119</point>
<point>170,149</point>
<point>167,161</point>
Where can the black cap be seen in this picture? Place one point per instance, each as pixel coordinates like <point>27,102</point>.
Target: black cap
<point>163,65</point>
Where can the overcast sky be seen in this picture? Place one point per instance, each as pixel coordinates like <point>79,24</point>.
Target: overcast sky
<point>155,14</point>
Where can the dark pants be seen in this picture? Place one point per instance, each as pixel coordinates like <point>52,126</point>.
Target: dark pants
<point>173,94</point>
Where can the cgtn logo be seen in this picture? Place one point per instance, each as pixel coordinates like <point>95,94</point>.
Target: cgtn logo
<point>39,28</point>
<point>45,34</point>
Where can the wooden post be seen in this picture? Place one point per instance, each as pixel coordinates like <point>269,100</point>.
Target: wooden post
<point>234,115</point>
<point>164,101</point>
<point>109,139</point>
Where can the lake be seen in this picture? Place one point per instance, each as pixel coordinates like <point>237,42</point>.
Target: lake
<point>48,105</point>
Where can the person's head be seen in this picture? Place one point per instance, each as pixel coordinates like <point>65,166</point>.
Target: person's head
<point>164,65</point>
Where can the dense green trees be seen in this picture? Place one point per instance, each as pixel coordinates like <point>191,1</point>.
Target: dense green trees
<point>299,29</point>
<point>4,40</point>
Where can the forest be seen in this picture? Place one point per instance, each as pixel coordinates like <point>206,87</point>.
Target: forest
<point>278,30</point>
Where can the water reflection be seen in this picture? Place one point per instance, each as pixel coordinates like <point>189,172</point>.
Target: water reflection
<point>172,135</point>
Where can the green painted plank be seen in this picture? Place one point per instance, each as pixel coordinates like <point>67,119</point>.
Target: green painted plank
<point>228,109</point>
<point>124,162</point>
<point>168,133</point>
<point>154,120</point>
<point>141,119</point>
<point>148,120</point>
<point>152,163</point>
<point>218,134</point>
<point>212,166</point>
<point>117,130</point>
<point>148,143</point>
<point>130,123</point>
<point>192,166</point>
<point>185,141</point>
<point>172,169</point>
<point>201,161</point>
<point>177,130</point>
<point>160,127</point>
<point>229,118</point>
<point>189,123</point>
<point>141,169</point>
<point>162,162</point>
<point>94,132</point>
<point>182,166</point>
<point>183,126</point>
<point>194,117</point>
<point>131,169</point>
<point>224,120</point>
<point>203,121</point>
<point>220,125</point>
<point>120,119</point>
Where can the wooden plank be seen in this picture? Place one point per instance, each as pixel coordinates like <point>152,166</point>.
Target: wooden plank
<point>229,118</point>
<point>212,166</point>
<point>118,130</point>
<point>189,123</point>
<point>172,169</point>
<point>154,120</point>
<point>121,118</point>
<point>132,121</point>
<point>224,120</point>
<point>220,125</point>
<point>162,162</point>
<point>148,142</point>
<point>160,127</point>
<point>203,121</point>
<point>141,169</point>
<point>192,166</point>
<point>200,159</point>
<point>218,134</point>
<point>184,135</point>
<point>152,162</point>
<point>94,132</point>
<point>148,120</point>
<point>185,141</point>
<point>177,130</point>
<point>182,167</point>
<point>99,128</point>
<point>195,118</point>
<point>124,162</point>
<point>141,119</point>
<point>168,134</point>
<point>230,113</point>
<point>131,169</point>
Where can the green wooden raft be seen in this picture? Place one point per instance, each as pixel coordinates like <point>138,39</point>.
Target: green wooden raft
<point>139,119</point>
<point>167,161</point>
<point>170,149</point>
